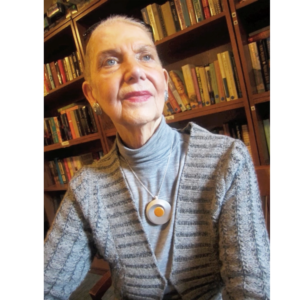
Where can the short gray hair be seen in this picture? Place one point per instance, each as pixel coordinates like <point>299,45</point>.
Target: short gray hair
<point>106,22</point>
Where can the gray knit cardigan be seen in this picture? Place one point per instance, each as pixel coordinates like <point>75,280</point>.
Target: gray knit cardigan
<point>220,244</point>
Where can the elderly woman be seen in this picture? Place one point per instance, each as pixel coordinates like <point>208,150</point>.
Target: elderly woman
<point>176,213</point>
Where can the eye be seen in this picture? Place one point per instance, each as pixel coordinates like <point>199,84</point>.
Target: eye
<point>146,57</point>
<point>110,62</point>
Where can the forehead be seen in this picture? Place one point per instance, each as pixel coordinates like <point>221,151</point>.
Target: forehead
<point>118,33</point>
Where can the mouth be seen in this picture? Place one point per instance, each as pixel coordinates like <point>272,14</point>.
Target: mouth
<point>137,96</point>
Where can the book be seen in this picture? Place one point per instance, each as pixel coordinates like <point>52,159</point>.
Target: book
<point>204,84</point>
<point>57,128</point>
<point>217,5</point>
<point>266,124</point>
<point>62,71</point>
<point>53,171</point>
<point>256,67</point>
<point>66,168</point>
<point>70,166</point>
<point>76,63</point>
<point>69,69</point>
<point>206,10</point>
<point>189,84</point>
<point>185,13</point>
<point>46,78</point>
<point>58,73</point>
<point>200,85</point>
<point>53,130</point>
<point>173,102</point>
<point>246,137</point>
<point>198,10</point>
<point>222,96</point>
<point>211,6</point>
<point>181,18</point>
<point>145,15</point>
<point>168,18</point>
<point>209,86</point>
<point>177,78</point>
<point>263,56</point>
<point>191,11</point>
<point>229,75</point>
<point>58,171</point>
<point>65,126</point>
<point>66,69</point>
<point>235,75</point>
<point>48,140</point>
<point>46,86</point>
<point>62,171</point>
<point>74,123</point>
<point>66,107</point>
<point>175,15</point>
<point>70,121</point>
<point>54,74</point>
<point>91,119</point>
<point>195,81</point>
<point>214,84</point>
<point>77,118</point>
<point>176,94</point>
<point>158,21</point>
<point>72,66</point>
<point>50,76</point>
<point>152,22</point>
<point>162,21</point>
<point>224,80</point>
<point>83,122</point>
<point>263,33</point>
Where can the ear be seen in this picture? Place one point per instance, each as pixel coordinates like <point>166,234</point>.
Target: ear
<point>88,93</point>
<point>166,76</point>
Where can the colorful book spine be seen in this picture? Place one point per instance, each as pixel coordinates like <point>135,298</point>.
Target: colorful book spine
<point>58,171</point>
<point>173,102</point>
<point>70,123</point>
<point>62,71</point>
<point>50,76</point>
<point>235,75</point>
<point>185,13</point>
<point>176,95</point>
<point>189,84</point>
<point>69,70</point>
<point>162,21</point>
<point>220,84</point>
<point>54,74</point>
<point>181,18</point>
<point>168,18</point>
<point>195,81</point>
<point>62,171</point>
<point>76,64</point>
<point>190,8</point>
<point>58,73</point>
<point>203,79</point>
<point>53,130</point>
<point>198,10</point>
<point>145,15</point>
<point>179,85</point>
<point>211,6</point>
<point>175,15</point>
<point>224,79</point>
<point>153,23</point>
<point>256,66</point>
<point>200,85</point>
<point>209,86</point>
<point>72,66</point>
<point>263,56</point>
<point>157,20</point>
<point>57,128</point>
<point>206,10</point>
<point>218,8</point>
<point>67,170</point>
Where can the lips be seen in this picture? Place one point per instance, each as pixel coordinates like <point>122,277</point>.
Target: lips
<point>137,96</point>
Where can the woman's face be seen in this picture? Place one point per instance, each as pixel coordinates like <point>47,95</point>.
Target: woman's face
<point>127,79</point>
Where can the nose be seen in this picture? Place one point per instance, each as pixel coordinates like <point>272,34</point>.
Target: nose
<point>133,70</point>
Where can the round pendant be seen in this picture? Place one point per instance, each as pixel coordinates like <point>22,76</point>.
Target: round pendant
<point>158,211</point>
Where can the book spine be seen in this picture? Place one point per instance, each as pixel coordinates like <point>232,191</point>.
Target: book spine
<point>54,74</point>
<point>79,62</point>
<point>214,84</point>
<point>195,81</point>
<point>180,89</point>
<point>67,61</point>
<point>152,23</point>
<point>66,167</point>
<point>66,125</point>
<point>176,95</point>
<point>50,76</point>
<point>92,119</point>
<point>162,22</point>
<point>260,87</point>
<point>211,6</point>
<point>225,84</point>
<point>54,171</point>
<point>204,86</point>
<point>58,73</point>
<point>179,10</point>
<point>58,171</point>
<point>185,13</point>
<point>235,75</point>
<point>173,102</point>
<point>222,96</point>
<point>145,15</point>
<point>263,56</point>
<point>191,91</point>
<point>48,140</point>
<point>46,87</point>
<point>200,85</point>
<point>68,113</point>
<point>246,137</point>
<point>210,90</point>
<point>77,118</point>
<point>217,6</point>
<point>83,124</point>
<point>62,71</point>
<point>86,119</point>
<point>57,128</point>
<point>157,20</point>
<point>62,171</point>
<point>229,75</point>
<point>168,18</point>
<point>46,77</point>
<point>191,11</point>
<point>175,15</point>
<point>53,130</point>
<point>76,64</point>
<point>206,10</point>
<point>74,123</point>
<point>70,166</point>
<point>198,10</point>
<point>72,66</point>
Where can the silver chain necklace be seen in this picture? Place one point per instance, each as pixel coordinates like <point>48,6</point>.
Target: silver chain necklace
<point>158,211</point>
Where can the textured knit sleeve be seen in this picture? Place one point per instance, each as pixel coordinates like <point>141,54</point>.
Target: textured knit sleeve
<point>68,249</point>
<point>244,242</point>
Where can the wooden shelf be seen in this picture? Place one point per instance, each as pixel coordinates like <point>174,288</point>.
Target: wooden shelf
<point>60,24</point>
<point>261,98</point>
<point>84,139</point>
<point>56,188</point>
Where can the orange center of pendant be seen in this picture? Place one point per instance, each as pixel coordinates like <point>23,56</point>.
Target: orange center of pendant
<point>159,211</point>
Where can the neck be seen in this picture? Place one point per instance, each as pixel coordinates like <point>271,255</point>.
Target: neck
<point>135,137</point>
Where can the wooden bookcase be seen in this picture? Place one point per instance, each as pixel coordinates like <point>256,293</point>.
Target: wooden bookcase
<point>197,44</point>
